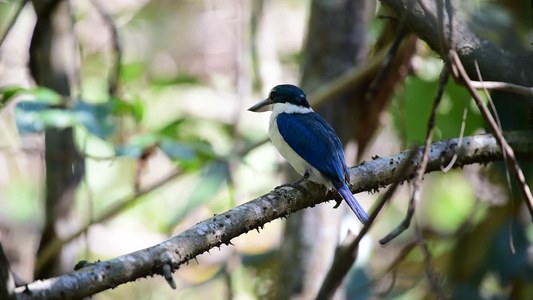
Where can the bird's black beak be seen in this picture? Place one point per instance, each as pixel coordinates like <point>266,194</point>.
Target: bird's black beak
<point>264,105</point>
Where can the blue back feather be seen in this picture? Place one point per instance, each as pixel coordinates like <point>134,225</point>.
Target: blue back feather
<point>316,142</point>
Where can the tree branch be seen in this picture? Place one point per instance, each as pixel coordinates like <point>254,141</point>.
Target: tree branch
<point>502,86</point>
<point>508,154</point>
<point>220,229</point>
<point>496,64</point>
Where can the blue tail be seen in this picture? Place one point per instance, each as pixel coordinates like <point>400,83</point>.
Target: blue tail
<point>344,191</point>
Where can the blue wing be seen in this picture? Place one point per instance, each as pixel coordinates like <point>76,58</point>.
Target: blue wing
<point>316,142</point>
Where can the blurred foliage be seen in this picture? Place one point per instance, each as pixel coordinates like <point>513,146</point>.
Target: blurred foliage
<point>185,83</point>
<point>420,91</point>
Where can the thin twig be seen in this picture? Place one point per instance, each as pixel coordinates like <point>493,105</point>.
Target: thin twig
<point>387,62</point>
<point>461,134</point>
<point>441,25</point>
<point>451,24</point>
<point>114,75</point>
<point>346,253</point>
<point>390,17</point>
<point>347,80</point>
<point>431,276</point>
<point>392,268</point>
<point>491,102</point>
<point>120,206</point>
<point>503,86</point>
<point>429,235</point>
<point>415,197</point>
<point>390,287</point>
<point>507,176</point>
<point>511,159</point>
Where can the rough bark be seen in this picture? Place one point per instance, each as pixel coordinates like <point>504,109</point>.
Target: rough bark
<point>220,229</point>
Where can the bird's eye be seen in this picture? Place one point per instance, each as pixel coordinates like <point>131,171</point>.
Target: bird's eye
<point>272,95</point>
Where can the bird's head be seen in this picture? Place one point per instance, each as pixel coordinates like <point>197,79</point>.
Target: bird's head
<point>282,94</point>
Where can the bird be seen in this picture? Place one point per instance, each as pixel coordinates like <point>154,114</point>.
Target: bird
<point>307,142</point>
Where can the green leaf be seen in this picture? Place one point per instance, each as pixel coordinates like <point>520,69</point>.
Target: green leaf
<point>177,80</point>
<point>204,150</point>
<point>177,150</point>
<point>135,108</point>
<point>35,117</point>
<point>97,118</point>
<point>40,94</point>
<point>46,95</point>
<point>8,93</point>
<point>172,130</point>
<point>136,146</point>
<point>132,71</point>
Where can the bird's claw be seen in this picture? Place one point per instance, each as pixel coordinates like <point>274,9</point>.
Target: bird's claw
<point>338,203</point>
<point>296,184</point>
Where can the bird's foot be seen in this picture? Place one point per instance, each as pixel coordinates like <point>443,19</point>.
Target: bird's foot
<point>296,184</point>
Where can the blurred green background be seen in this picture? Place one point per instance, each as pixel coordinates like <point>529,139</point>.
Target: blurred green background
<point>189,71</point>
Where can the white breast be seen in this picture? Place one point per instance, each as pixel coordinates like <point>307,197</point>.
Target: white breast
<point>296,161</point>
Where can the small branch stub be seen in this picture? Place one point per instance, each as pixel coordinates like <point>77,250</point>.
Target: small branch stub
<point>167,273</point>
